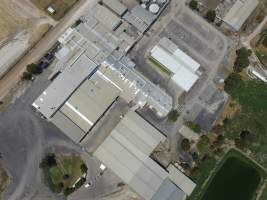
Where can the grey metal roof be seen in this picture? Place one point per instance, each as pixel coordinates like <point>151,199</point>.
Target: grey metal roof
<point>126,151</point>
<point>116,6</point>
<point>239,13</point>
<point>168,191</point>
<point>63,86</point>
<point>68,127</point>
<point>140,18</point>
<point>106,17</point>
<point>90,101</point>
<point>143,14</point>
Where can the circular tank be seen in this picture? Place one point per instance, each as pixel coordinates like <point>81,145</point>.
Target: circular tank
<point>154,8</point>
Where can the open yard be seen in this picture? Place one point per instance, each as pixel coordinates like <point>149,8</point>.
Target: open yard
<point>63,173</point>
<point>237,178</point>
<point>61,7</point>
<point>21,26</point>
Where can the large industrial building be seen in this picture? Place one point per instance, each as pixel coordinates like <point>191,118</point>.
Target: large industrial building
<point>127,152</point>
<point>92,65</point>
<point>183,69</point>
<point>91,73</point>
<point>239,13</point>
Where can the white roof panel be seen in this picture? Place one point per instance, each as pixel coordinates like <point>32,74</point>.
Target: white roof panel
<point>184,77</point>
<point>186,60</point>
<point>181,180</point>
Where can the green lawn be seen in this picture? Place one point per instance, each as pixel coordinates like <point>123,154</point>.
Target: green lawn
<point>252,96</point>
<point>158,66</point>
<point>60,177</point>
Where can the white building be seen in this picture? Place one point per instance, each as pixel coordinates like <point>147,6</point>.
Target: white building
<point>182,67</point>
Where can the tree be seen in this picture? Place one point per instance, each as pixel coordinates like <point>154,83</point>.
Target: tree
<point>34,69</point>
<point>264,42</point>
<point>193,5</point>
<point>232,81</point>
<point>26,76</point>
<point>242,59</point>
<point>195,156</point>
<point>51,160</point>
<point>185,144</point>
<point>173,116</point>
<point>83,168</point>
<point>211,15</point>
<point>193,126</point>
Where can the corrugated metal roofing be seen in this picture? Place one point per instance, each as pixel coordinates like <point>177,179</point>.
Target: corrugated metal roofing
<point>63,86</point>
<point>239,13</point>
<point>106,17</point>
<point>126,151</point>
<point>181,180</point>
<point>90,101</point>
<point>116,6</point>
<point>168,191</point>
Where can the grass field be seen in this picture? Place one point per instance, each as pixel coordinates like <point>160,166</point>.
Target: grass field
<point>64,174</point>
<point>61,6</point>
<point>252,97</point>
<point>236,179</point>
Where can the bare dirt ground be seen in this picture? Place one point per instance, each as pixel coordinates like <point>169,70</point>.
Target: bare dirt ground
<point>21,25</point>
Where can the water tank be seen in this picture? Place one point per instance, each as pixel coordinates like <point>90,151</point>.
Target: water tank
<point>143,5</point>
<point>154,8</point>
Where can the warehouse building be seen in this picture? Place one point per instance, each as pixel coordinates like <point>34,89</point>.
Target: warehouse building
<point>239,13</point>
<point>127,150</point>
<point>116,6</point>
<point>183,69</point>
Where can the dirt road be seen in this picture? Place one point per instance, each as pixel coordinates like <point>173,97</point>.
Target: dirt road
<point>13,76</point>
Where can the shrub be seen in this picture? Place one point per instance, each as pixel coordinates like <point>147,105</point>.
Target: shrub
<point>83,168</point>
<point>242,59</point>
<point>193,126</point>
<point>173,116</point>
<point>34,69</point>
<point>185,144</point>
<point>193,5</point>
<point>211,15</point>
<point>26,76</point>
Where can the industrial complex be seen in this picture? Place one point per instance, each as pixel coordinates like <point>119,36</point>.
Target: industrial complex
<point>135,100</point>
<point>92,72</point>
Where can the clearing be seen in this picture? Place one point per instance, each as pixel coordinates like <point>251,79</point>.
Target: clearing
<point>61,7</point>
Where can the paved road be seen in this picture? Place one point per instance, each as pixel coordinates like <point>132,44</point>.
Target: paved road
<point>13,76</point>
